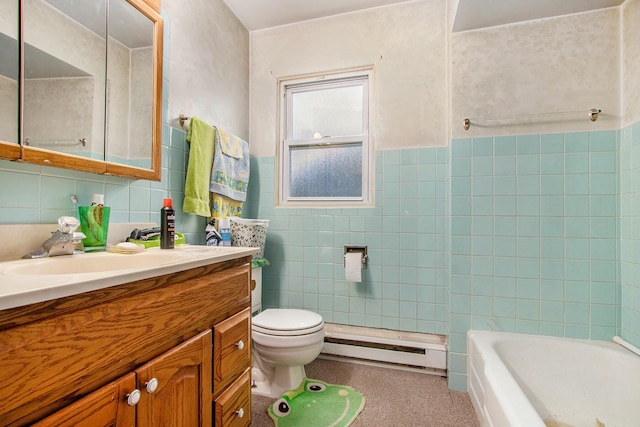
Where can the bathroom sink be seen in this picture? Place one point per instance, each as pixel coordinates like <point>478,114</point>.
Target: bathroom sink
<point>91,263</point>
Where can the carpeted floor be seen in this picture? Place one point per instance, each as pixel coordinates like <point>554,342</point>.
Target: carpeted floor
<point>393,397</point>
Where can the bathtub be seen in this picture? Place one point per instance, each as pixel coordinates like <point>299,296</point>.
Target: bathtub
<point>536,381</point>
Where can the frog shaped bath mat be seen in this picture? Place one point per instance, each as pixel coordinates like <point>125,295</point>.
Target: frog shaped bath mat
<point>317,404</point>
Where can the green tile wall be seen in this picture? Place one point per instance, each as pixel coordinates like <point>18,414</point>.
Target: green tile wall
<point>405,285</point>
<point>535,246</point>
<point>630,232</point>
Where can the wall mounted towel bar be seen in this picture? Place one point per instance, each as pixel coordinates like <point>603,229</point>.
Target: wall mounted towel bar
<point>55,142</point>
<point>466,123</point>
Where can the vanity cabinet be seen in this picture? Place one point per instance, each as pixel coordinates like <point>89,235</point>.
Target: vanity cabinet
<point>170,350</point>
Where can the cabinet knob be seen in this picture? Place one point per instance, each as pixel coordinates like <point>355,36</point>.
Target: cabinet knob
<point>240,413</point>
<point>151,385</point>
<point>133,398</point>
<point>240,345</point>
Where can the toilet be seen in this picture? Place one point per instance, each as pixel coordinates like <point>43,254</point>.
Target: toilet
<point>284,340</point>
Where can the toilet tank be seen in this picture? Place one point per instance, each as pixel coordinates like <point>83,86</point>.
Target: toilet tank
<point>256,294</point>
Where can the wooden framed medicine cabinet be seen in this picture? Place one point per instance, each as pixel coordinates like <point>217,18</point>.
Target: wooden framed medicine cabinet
<point>81,84</point>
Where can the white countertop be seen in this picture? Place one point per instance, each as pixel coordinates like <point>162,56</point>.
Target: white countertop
<point>29,281</point>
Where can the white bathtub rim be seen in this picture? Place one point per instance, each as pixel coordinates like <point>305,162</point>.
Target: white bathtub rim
<point>504,402</point>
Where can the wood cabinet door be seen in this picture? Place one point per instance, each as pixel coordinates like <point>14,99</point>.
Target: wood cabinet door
<point>182,394</point>
<point>106,406</point>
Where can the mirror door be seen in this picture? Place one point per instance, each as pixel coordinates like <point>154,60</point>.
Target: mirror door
<point>9,79</point>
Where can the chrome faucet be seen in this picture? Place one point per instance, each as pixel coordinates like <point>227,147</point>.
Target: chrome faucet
<point>63,241</point>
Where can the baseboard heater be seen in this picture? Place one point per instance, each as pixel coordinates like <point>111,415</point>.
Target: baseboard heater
<point>383,347</point>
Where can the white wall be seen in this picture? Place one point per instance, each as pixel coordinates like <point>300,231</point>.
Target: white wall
<point>405,43</point>
<point>568,63</point>
<point>209,66</point>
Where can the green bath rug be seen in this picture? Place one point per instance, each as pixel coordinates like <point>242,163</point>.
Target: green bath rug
<point>317,404</point>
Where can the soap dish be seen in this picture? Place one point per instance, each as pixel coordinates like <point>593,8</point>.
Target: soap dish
<point>125,248</point>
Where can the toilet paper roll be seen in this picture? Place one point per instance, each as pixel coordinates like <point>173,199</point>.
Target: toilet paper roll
<point>353,266</point>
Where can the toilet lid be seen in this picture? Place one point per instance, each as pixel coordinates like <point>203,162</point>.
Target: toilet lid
<point>287,321</point>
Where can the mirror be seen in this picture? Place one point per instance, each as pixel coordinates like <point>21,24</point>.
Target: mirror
<point>92,86</point>
<point>9,78</point>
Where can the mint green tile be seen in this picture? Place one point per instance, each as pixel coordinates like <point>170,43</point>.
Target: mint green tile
<point>603,162</point>
<point>504,205</point>
<point>552,311</point>
<point>576,184</point>
<point>528,226</point>
<point>528,267</point>
<point>552,205</point>
<point>505,165</point>
<point>552,143</point>
<point>603,205</point>
<point>603,315</point>
<point>483,205</point>
<point>460,264</point>
<point>604,227</point>
<point>576,205</point>
<point>482,265</point>
<point>602,140</point>
<point>504,307</point>
<point>482,186</point>
<point>505,226</point>
<point>552,269</point>
<point>460,148</point>
<point>603,249</point>
<point>604,183</point>
<point>528,246</point>
<point>576,331</point>
<point>576,142</point>
<point>576,313</point>
<point>528,144</point>
<point>481,305</point>
<point>604,293</point>
<point>427,156</point>
<point>604,271</point>
<point>528,164</point>
<point>551,247</point>
<point>576,269</point>
<point>505,266</point>
<point>505,246</point>
<point>528,288</point>
<point>482,226</point>
<point>504,287</point>
<point>577,248</point>
<point>527,309</point>
<point>528,205</point>
<point>391,157</point>
<point>552,164</point>
<point>528,185</point>
<point>504,145</point>
<point>460,304</point>
<point>482,166</point>
<point>482,146</point>
<point>504,185</point>
<point>505,325</point>
<point>552,185</point>
<point>482,286</point>
<point>460,186</point>
<point>482,245</point>
<point>552,290</point>
<point>577,227</point>
<point>576,163</point>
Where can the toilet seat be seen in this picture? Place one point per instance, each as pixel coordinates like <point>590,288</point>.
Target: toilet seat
<point>287,322</point>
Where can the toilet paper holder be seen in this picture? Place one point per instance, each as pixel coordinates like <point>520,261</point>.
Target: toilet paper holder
<point>356,249</point>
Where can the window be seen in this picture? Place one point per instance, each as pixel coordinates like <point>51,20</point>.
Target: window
<point>324,153</point>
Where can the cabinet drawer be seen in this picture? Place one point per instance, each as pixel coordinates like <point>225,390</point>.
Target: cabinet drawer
<point>231,349</point>
<point>233,407</point>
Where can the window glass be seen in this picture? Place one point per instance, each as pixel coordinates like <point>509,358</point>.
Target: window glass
<point>327,112</point>
<point>326,171</point>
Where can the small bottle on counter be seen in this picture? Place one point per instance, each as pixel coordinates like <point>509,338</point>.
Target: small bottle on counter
<point>167,224</point>
<point>225,231</point>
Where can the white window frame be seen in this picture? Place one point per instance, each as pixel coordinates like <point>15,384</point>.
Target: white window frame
<point>329,80</point>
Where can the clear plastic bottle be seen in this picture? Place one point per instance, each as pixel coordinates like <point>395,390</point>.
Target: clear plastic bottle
<point>167,225</point>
